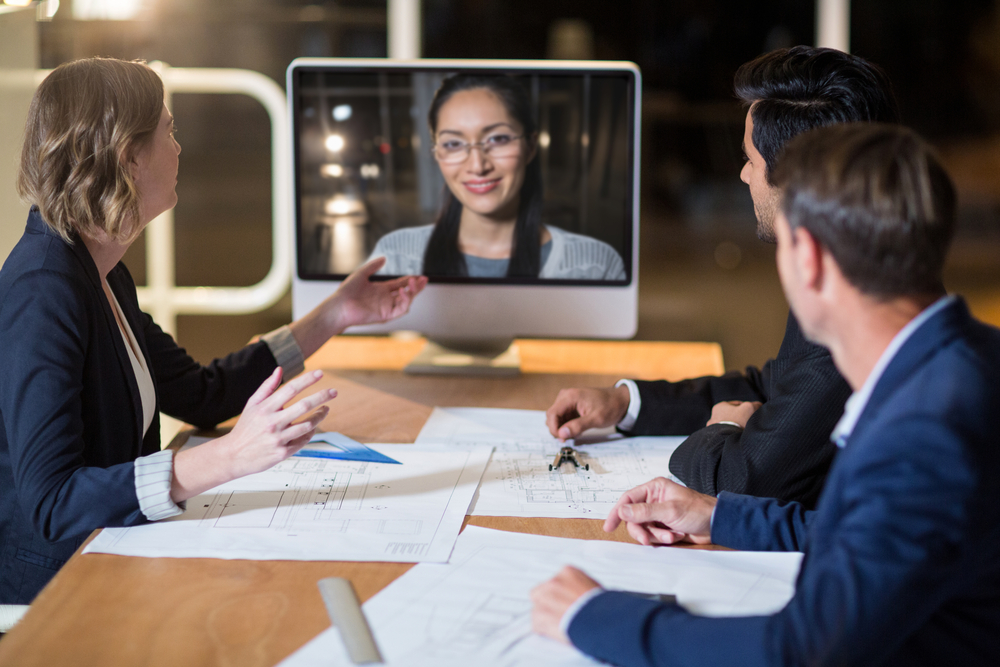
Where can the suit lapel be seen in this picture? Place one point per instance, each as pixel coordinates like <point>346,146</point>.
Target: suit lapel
<point>934,334</point>
<point>114,335</point>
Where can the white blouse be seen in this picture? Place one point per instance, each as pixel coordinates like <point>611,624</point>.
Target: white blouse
<point>143,377</point>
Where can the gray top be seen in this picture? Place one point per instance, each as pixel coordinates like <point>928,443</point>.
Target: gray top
<point>572,257</point>
<point>482,267</point>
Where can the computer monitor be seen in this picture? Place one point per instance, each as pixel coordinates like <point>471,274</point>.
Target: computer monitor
<point>369,178</point>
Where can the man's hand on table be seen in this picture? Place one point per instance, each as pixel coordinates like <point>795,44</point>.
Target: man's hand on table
<point>663,512</point>
<point>576,410</point>
<point>657,512</point>
<point>551,600</point>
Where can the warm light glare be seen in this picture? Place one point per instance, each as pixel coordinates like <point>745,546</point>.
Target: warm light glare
<point>338,206</point>
<point>111,10</point>
<point>335,143</point>
<point>47,9</point>
<point>18,3</point>
<point>544,139</point>
<point>348,246</point>
<point>332,170</point>
<point>342,112</point>
<point>369,171</point>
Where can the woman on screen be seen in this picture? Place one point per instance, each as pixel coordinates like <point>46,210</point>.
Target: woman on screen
<point>85,373</point>
<point>490,224</point>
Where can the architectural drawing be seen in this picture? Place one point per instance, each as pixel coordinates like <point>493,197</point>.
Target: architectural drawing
<point>518,481</point>
<point>476,610</point>
<point>323,509</point>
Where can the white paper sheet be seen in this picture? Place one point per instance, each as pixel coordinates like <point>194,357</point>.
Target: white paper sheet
<point>476,609</point>
<point>518,481</point>
<point>323,509</point>
<point>465,424</point>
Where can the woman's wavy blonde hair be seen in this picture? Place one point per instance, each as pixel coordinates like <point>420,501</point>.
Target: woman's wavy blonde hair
<point>87,121</point>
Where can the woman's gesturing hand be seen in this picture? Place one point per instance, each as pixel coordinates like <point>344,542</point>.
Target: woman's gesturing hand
<point>360,300</point>
<point>267,433</point>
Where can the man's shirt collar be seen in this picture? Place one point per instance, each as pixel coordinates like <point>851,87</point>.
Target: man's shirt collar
<point>859,400</point>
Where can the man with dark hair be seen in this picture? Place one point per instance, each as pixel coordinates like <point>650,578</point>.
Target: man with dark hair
<point>767,431</point>
<point>902,555</point>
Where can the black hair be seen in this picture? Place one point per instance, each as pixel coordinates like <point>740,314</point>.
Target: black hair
<point>442,256</point>
<point>875,196</point>
<point>801,88</point>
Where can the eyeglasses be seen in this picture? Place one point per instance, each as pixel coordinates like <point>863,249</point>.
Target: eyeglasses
<point>454,151</point>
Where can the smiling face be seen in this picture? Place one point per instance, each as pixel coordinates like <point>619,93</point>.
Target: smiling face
<point>155,170</point>
<point>486,185</point>
<point>765,196</point>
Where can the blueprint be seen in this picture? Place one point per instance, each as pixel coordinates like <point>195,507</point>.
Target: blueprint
<point>518,481</point>
<point>476,610</point>
<point>322,509</point>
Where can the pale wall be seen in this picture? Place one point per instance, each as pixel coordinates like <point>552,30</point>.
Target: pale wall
<point>18,57</point>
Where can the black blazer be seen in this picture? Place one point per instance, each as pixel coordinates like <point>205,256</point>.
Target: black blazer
<point>785,450</point>
<point>70,412</point>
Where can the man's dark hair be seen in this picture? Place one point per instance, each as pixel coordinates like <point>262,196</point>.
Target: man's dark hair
<point>875,196</point>
<point>798,89</point>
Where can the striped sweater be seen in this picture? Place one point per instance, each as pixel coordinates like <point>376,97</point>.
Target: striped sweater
<point>573,256</point>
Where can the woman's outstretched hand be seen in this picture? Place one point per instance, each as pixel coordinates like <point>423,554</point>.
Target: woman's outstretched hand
<point>267,433</point>
<point>358,300</point>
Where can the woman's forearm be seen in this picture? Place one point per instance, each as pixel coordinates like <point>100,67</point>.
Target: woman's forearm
<point>199,469</point>
<point>316,327</point>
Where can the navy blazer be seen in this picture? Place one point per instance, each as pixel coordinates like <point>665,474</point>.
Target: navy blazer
<point>70,412</point>
<point>902,554</point>
<point>785,450</point>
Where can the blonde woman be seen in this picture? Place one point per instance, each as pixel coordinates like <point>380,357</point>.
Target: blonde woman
<point>85,372</point>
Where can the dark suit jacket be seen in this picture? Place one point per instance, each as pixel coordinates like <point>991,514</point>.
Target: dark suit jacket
<point>70,412</point>
<point>902,555</point>
<point>785,450</point>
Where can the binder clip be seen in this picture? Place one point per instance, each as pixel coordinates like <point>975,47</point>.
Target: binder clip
<point>567,454</point>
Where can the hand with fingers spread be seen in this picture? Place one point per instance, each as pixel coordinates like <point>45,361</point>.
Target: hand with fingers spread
<point>361,300</point>
<point>664,512</point>
<point>551,600</point>
<point>358,300</point>
<point>576,410</point>
<point>267,433</point>
<point>733,412</point>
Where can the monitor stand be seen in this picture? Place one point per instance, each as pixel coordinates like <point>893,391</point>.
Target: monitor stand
<point>479,357</point>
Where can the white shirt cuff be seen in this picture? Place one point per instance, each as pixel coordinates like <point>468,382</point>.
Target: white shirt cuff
<point>286,351</point>
<point>575,608</point>
<point>634,404</point>
<point>153,476</point>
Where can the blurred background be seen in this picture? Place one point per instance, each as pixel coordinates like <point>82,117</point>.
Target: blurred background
<point>703,273</point>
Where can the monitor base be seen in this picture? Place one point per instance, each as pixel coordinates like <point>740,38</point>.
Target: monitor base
<point>489,358</point>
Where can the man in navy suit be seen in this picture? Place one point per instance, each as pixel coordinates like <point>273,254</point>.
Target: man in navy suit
<point>902,554</point>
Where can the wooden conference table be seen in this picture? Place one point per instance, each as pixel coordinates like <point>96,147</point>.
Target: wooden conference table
<point>113,610</point>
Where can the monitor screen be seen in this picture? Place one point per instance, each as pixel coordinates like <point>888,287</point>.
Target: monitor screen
<point>474,173</point>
